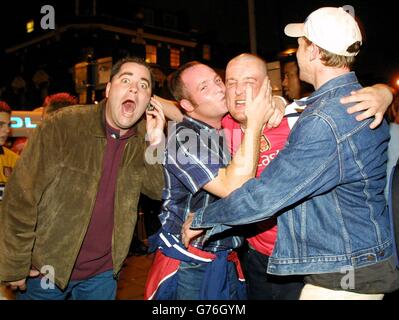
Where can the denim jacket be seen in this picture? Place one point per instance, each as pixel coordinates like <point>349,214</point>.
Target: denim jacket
<point>326,186</point>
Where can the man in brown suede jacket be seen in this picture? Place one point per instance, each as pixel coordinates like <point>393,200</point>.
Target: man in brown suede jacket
<point>69,212</point>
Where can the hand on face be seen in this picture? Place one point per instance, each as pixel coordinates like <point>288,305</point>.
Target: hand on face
<point>260,109</point>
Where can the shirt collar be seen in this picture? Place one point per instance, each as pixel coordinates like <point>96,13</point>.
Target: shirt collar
<point>115,133</point>
<point>199,124</point>
<point>340,81</point>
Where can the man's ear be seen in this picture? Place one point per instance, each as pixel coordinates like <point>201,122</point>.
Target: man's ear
<point>187,105</point>
<point>107,89</point>
<point>314,52</point>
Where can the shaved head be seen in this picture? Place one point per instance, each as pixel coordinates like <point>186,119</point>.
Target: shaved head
<point>245,70</point>
<point>251,59</point>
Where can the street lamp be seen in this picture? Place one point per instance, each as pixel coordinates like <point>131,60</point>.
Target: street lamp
<point>288,52</point>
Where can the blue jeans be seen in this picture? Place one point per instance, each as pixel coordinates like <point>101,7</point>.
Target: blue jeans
<point>189,280</point>
<point>100,287</point>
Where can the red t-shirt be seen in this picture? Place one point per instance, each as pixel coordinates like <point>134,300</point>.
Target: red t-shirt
<point>272,141</point>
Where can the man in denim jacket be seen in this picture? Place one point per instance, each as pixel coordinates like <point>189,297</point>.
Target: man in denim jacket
<point>327,185</point>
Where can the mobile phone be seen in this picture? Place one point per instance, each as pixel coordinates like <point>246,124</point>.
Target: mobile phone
<point>150,107</point>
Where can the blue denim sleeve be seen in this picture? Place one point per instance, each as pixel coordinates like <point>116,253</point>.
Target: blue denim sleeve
<point>309,165</point>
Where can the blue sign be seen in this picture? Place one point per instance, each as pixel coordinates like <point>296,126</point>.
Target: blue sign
<point>18,122</point>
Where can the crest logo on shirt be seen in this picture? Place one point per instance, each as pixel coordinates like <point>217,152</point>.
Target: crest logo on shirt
<point>7,171</point>
<point>264,144</point>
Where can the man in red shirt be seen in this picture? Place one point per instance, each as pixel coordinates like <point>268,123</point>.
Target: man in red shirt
<point>242,71</point>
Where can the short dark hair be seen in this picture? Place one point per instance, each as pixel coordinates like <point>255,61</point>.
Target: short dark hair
<point>4,107</point>
<point>58,101</point>
<point>118,65</point>
<point>306,88</point>
<point>175,83</point>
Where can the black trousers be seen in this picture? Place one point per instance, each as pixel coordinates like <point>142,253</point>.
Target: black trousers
<point>263,286</point>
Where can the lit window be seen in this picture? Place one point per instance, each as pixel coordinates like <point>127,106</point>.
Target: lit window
<point>82,97</point>
<point>150,53</point>
<point>104,66</point>
<point>80,75</point>
<point>30,26</point>
<point>174,58</point>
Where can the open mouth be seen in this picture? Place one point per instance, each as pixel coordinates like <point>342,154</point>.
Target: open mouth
<point>240,104</point>
<point>128,107</point>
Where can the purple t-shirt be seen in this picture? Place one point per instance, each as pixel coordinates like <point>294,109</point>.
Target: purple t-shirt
<point>95,255</point>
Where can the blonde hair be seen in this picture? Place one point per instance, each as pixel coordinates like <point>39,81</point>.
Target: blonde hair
<point>333,60</point>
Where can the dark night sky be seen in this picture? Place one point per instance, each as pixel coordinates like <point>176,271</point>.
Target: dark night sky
<point>226,21</point>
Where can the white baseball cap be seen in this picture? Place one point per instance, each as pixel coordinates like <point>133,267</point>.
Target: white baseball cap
<point>332,29</point>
